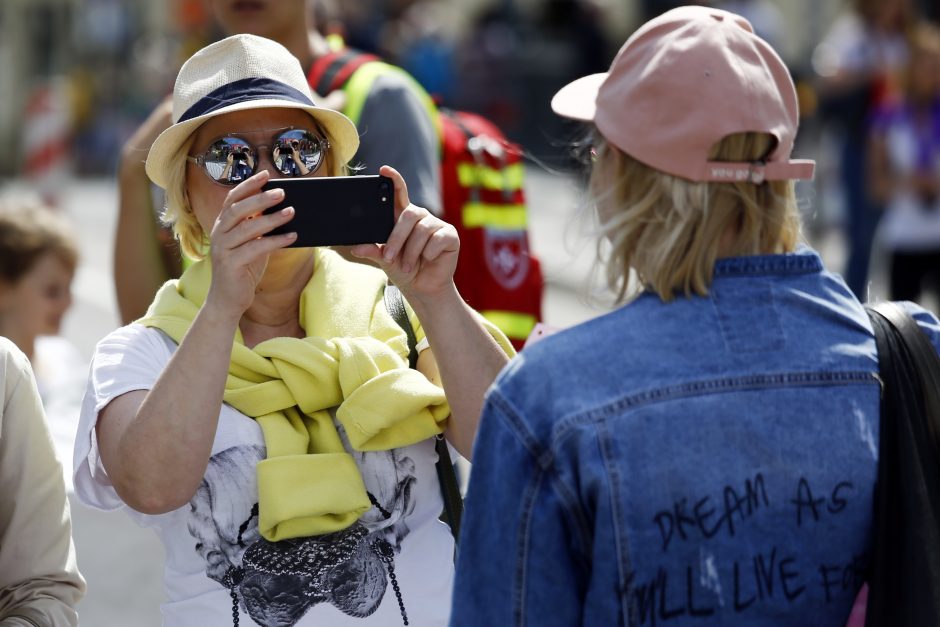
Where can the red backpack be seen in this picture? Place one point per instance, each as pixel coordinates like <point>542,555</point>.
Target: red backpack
<point>482,177</point>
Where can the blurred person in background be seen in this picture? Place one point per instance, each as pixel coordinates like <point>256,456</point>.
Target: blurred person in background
<point>39,580</point>
<point>416,39</point>
<point>38,258</point>
<point>859,63</point>
<point>486,62</point>
<point>764,16</point>
<point>652,8</point>
<point>361,24</point>
<point>707,453</point>
<point>582,21</point>
<point>396,129</point>
<point>262,417</point>
<point>904,170</point>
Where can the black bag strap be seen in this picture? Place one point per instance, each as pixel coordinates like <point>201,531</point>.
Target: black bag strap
<point>450,489</point>
<point>904,577</point>
<point>924,357</point>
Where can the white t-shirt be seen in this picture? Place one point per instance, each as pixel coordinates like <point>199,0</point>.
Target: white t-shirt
<point>337,580</point>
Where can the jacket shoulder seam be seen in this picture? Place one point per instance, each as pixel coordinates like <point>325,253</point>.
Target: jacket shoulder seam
<point>708,387</point>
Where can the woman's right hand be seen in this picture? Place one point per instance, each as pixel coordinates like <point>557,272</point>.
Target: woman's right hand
<point>156,444</point>
<point>239,246</point>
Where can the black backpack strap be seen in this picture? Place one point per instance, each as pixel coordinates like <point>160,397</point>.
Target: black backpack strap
<point>904,577</point>
<point>446,476</point>
<point>396,307</point>
<point>332,70</point>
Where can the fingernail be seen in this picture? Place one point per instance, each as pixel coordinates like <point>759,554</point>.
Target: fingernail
<point>287,211</point>
<point>389,254</point>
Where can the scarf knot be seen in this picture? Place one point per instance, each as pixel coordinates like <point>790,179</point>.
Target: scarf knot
<point>353,360</point>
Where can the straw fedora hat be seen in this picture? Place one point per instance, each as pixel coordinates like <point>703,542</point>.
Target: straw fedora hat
<point>237,73</point>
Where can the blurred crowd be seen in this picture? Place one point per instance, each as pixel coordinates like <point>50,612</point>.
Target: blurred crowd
<point>866,72</point>
<point>111,60</point>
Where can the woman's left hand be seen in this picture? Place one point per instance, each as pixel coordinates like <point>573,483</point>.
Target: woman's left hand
<point>420,256</point>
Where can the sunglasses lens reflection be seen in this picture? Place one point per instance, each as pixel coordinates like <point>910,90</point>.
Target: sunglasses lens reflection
<point>230,160</point>
<point>297,153</point>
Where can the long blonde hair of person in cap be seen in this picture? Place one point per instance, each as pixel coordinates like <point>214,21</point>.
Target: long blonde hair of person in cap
<point>670,230</point>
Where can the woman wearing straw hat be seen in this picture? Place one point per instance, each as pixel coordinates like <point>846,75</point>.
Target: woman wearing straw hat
<point>707,453</point>
<point>262,416</point>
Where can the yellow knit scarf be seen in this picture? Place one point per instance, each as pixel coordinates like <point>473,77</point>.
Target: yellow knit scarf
<point>353,359</point>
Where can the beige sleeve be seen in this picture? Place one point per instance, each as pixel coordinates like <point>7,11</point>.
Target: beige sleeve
<point>39,580</point>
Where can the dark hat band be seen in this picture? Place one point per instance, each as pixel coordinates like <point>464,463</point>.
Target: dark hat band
<point>244,90</point>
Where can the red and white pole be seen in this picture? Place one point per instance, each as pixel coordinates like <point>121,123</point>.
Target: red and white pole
<point>47,128</point>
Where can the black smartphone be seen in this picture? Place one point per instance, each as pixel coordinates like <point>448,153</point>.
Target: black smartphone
<point>337,210</point>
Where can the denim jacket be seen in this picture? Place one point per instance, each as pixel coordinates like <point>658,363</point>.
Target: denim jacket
<point>709,461</point>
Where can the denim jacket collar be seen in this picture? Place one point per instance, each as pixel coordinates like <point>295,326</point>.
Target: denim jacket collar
<point>803,261</point>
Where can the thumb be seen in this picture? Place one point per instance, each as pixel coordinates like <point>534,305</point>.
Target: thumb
<point>367,251</point>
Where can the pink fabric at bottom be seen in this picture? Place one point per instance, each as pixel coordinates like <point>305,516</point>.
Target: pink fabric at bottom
<point>857,617</point>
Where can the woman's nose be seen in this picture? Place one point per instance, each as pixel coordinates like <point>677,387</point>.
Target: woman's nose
<point>266,162</point>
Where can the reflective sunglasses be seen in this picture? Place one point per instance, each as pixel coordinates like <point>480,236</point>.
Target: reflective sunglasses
<point>229,160</point>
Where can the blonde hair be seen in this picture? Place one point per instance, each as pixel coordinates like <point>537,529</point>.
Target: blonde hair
<point>670,230</point>
<point>177,212</point>
<point>29,230</point>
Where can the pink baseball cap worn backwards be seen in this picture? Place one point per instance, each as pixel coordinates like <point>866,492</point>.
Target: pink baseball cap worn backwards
<point>683,82</point>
